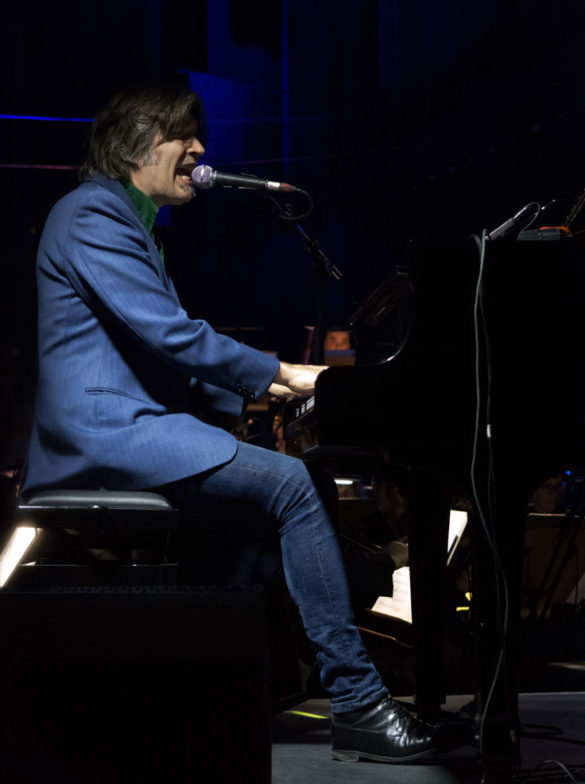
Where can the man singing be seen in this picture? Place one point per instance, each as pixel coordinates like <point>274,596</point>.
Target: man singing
<point>128,385</point>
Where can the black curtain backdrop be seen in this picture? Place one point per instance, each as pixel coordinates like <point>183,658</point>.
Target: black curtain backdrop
<point>401,118</point>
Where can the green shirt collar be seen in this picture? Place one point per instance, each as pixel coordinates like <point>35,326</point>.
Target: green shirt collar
<point>147,209</point>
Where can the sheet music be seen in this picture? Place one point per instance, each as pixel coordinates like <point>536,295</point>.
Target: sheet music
<point>398,605</point>
<point>457,523</point>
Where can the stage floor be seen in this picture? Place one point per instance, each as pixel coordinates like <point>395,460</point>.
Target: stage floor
<point>553,728</point>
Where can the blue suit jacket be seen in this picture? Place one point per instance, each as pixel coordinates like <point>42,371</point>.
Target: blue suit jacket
<point>119,359</point>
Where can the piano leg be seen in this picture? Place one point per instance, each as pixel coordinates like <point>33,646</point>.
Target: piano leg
<point>429,508</point>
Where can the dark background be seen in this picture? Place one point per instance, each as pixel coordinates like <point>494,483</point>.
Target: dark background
<point>402,118</point>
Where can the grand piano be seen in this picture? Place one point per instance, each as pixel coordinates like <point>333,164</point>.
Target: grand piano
<point>481,398</point>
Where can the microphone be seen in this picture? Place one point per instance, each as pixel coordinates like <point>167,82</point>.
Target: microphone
<point>205,177</point>
<point>506,227</point>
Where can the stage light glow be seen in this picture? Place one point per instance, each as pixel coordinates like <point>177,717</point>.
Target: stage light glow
<point>43,118</point>
<point>16,547</point>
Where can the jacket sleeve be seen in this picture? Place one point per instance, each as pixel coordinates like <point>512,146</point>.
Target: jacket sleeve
<point>206,398</point>
<point>110,265</point>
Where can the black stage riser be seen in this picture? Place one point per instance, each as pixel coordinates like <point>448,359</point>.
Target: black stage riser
<point>166,685</point>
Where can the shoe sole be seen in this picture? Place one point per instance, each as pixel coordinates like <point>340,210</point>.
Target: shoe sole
<point>350,755</point>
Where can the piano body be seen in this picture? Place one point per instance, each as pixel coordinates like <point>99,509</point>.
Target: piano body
<point>481,400</point>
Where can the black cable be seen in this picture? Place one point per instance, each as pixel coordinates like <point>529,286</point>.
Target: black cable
<point>535,216</point>
<point>486,517</point>
<point>569,741</point>
<point>561,766</point>
<point>549,731</point>
<point>571,773</point>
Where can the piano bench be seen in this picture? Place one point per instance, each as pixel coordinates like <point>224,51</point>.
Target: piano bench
<point>90,537</point>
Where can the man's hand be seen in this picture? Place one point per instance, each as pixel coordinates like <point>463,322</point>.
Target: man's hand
<point>298,379</point>
<point>279,390</point>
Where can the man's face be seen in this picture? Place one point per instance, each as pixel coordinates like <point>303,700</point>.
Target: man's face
<point>165,175</point>
<point>337,340</point>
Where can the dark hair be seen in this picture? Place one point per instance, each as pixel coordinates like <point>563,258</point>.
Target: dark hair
<point>123,131</point>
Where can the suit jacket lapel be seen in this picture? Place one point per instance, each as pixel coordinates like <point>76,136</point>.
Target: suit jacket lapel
<point>119,190</point>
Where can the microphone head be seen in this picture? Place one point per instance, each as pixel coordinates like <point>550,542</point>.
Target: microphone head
<point>202,176</point>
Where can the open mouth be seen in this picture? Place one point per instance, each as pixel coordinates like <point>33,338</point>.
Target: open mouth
<point>184,172</point>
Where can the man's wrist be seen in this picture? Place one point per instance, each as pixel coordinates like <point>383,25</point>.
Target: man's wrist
<point>282,376</point>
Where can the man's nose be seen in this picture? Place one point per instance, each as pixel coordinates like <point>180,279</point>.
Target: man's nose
<point>196,147</point>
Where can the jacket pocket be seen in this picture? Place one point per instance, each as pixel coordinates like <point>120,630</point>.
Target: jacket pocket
<point>118,392</point>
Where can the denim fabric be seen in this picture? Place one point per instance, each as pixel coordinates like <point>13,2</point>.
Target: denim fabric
<point>264,492</point>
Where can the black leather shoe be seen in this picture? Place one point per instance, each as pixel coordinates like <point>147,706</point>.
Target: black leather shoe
<point>385,732</point>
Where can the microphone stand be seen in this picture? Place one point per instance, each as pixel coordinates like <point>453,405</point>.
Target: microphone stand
<point>321,265</point>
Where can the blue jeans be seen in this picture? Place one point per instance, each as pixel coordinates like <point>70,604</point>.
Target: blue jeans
<point>266,492</point>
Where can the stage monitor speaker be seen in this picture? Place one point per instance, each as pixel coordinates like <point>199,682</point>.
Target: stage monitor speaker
<point>134,684</point>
